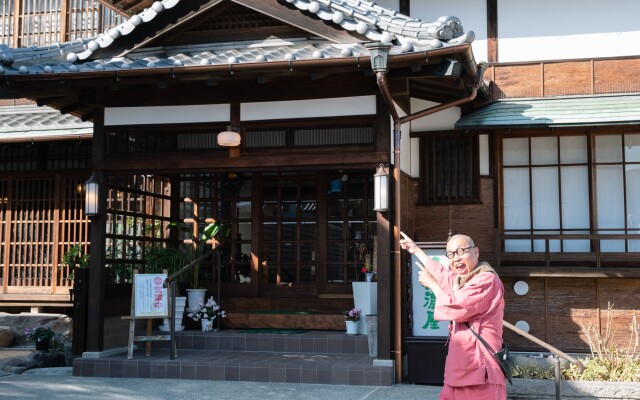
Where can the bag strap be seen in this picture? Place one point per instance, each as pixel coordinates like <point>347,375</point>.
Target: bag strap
<point>480,338</point>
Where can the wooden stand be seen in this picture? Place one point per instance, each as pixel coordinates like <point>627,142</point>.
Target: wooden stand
<point>148,337</point>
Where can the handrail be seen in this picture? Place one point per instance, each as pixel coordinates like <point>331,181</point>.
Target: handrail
<point>596,238</point>
<point>170,282</point>
<point>552,349</point>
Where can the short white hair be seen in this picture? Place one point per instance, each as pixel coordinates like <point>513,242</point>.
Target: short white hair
<point>466,238</point>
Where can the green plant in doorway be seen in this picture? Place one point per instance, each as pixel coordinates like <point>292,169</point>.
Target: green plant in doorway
<point>215,231</point>
<point>74,258</point>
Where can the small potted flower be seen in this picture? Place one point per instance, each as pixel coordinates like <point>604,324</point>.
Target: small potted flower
<point>42,336</point>
<point>206,313</point>
<point>352,319</point>
<point>367,269</point>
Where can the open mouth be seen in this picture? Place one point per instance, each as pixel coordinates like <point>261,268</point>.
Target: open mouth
<point>460,267</point>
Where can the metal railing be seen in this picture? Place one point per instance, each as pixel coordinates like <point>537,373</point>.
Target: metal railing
<point>557,353</point>
<point>170,283</point>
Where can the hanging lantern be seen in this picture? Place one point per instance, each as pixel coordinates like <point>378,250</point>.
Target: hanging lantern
<point>91,201</point>
<point>229,138</point>
<point>381,189</point>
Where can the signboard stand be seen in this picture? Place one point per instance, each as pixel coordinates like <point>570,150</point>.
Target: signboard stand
<point>149,301</point>
<point>429,335</point>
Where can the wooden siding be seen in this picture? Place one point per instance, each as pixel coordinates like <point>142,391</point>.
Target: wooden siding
<point>561,78</point>
<point>557,309</point>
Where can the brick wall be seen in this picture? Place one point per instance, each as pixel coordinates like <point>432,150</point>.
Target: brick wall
<point>431,223</point>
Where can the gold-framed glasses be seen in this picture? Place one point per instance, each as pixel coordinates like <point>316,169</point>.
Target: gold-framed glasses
<point>460,252</point>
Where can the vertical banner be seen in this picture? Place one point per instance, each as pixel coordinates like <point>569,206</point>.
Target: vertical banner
<point>150,297</point>
<point>424,300</point>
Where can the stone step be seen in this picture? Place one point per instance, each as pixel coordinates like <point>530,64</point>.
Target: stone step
<point>328,357</point>
<point>279,341</point>
<point>336,369</point>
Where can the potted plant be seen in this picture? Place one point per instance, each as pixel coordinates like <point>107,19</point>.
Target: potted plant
<point>210,233</point>
<point>159,259</point>
<point>206,313</point>
<point>352,318</point>
<point>42,336</point>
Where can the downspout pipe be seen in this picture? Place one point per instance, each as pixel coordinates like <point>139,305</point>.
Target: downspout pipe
<point>397,270</point>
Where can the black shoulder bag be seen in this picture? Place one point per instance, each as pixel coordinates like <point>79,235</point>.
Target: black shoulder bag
<point>504,360</point>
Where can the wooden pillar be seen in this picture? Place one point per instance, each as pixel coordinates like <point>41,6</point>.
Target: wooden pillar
<point>95,317</point>
<point>385,297</point>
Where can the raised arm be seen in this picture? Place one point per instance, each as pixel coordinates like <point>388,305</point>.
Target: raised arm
<point>430,274</point>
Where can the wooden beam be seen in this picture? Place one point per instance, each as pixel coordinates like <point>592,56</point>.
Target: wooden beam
<point>64,21</point>
<point>492,31</point>
<point>248,160</point>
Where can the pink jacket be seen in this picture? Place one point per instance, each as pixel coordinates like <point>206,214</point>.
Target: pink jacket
<point>480,303</point>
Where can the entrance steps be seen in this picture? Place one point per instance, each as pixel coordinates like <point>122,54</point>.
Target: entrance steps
<point>326,357</point>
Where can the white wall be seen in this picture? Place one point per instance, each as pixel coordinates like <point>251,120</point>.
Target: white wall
<point>555,29</point>
<point>546,29</point>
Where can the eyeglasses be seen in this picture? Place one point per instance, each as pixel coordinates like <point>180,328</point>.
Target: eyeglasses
<point>460,251</point>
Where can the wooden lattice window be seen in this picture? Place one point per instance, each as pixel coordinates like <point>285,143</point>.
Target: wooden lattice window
<point>25,23</point>
<point>147,140</point>
<point>41,219</point>
<point>138,215</point>
<point>449,167</point>
<point>45,156</point>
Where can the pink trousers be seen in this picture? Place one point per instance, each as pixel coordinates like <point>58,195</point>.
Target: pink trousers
<point>487,391</point>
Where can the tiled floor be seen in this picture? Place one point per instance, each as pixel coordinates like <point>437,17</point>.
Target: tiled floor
<point>311,357</point>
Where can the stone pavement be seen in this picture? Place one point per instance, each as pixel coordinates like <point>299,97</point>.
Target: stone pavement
<point>58,384</point>
<point>72,388</point>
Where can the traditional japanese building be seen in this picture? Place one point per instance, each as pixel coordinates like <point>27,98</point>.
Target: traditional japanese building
<point>534,154</point>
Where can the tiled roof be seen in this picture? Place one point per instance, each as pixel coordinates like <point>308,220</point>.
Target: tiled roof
<point>403,33</point>
<point>555,112</point>
<point>32,123</point>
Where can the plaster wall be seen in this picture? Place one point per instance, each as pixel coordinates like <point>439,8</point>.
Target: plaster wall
<point>546,29</point>
<point>555,30</point>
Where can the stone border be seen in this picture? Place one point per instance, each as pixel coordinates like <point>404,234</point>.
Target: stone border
<point>542,389</point>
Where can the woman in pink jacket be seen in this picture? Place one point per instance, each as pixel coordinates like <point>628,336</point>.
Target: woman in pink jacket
<point>471,292</point>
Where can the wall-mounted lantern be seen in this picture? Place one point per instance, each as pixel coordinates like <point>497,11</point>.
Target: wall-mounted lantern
<point>91,201</point>
<point>381,189</point>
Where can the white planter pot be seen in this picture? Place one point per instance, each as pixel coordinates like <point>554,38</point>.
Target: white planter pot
<point>352,327</point>
<point>195,297</point>
<point>372,334</point>
<point>365,297</point>
<point>181,303</point>
<point>207,324</point>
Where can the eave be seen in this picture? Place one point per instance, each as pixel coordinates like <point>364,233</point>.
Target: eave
<point>77,93</point>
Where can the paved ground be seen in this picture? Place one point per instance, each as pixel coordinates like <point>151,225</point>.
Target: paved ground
<point>72,388</point>
<point>58,384</point>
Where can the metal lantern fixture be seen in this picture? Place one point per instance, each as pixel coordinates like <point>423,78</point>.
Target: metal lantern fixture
<point>379,54</point>
<point>381,189</point>
<point>229,138</point>
<point>91,197</point>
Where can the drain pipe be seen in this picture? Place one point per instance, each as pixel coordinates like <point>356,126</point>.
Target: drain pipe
<point>397,273</point>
